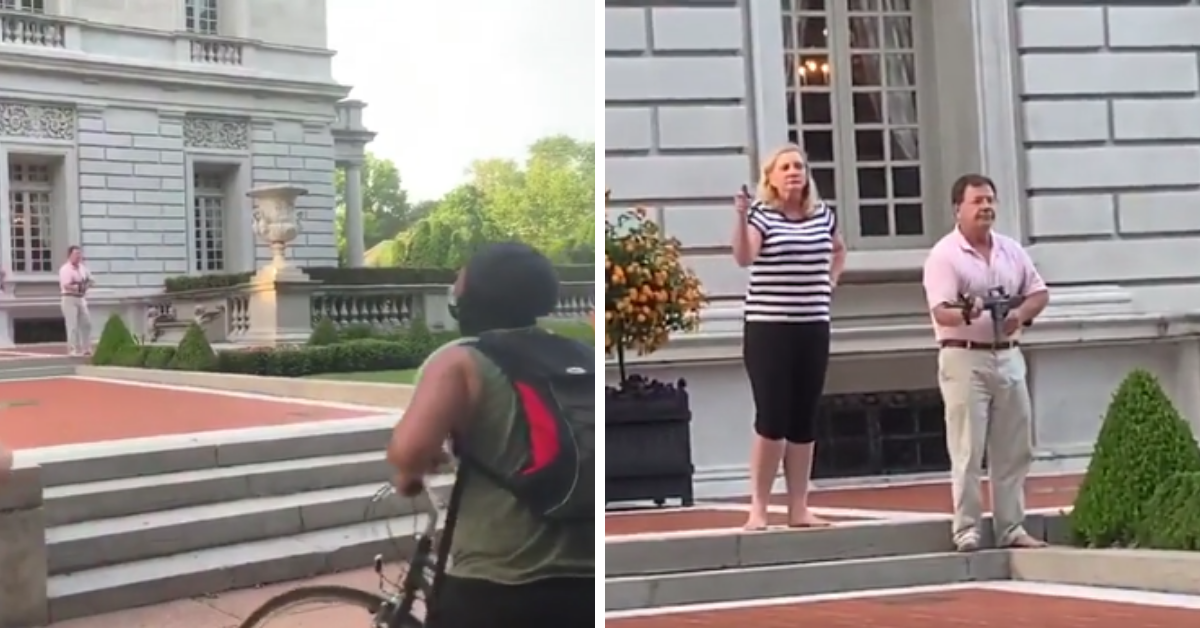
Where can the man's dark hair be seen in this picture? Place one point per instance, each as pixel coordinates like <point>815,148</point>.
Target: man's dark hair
<point>512,282</point>
<point>958,191</point>
<point>71,249</point>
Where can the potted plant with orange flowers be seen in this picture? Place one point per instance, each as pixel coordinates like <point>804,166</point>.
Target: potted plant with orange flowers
<point>648,295</point>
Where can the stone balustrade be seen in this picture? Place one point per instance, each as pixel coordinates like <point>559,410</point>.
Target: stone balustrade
<point>228,315</point>
<point>54,34</point>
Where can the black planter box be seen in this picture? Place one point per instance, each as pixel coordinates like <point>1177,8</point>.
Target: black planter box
<point>648,443</point>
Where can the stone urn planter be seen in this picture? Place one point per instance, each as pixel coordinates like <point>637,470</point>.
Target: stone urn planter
<point>277,223</point>
<point>648,442</point>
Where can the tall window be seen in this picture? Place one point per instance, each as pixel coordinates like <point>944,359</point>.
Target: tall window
<point>208,221</point>
<point>32,6</point>
<point>31,214</point>
<point>853,86</point>
<point>201,16</point>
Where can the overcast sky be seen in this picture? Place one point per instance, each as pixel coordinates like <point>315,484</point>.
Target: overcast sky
<point>450,82</point>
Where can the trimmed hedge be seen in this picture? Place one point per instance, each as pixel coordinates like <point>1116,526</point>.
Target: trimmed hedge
<point>1172,520</point>
<point>358,277</point>
<point>1142,443</point>
<point>194,353</point>
<point>115,340</point>
<point>323,333</point>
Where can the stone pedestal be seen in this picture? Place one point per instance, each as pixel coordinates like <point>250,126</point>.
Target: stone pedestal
<point>23,563</point>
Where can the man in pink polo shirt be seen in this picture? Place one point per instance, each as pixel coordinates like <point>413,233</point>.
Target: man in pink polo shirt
<point>982,378</point>
<point>74,280</point>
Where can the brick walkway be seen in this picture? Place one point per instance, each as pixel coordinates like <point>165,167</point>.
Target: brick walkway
<point>62,411</point>
<point>950,609</point>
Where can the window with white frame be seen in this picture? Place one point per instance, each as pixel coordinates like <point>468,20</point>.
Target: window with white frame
<point>854,90</point>
<point>31,6</point>
<point>209,193</point>
<point>31,214</point>
<point>200,16</point>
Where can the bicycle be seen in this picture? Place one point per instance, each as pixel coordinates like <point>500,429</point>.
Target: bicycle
<point>387,608</point>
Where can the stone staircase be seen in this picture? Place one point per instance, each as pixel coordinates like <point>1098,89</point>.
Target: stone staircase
<point>681,570</point>
<point>38,366</point>
<point>139,522</point>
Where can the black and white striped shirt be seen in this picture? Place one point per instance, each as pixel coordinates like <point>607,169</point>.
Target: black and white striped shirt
<point>790,280</point>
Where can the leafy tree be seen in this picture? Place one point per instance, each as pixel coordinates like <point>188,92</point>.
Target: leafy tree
<point>456,228</point>
<point>386,209</point>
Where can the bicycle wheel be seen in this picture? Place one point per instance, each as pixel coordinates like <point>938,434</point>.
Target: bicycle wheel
<point>274,611</point>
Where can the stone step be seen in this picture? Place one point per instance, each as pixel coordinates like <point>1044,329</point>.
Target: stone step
<point>103,542</point>
<point>679,553</point>
<point>142,457</point>
<point>75,503</point>
<point>835,576</point>
<point>714,550</point>
<point>208,571</point>
<point>35,368</point>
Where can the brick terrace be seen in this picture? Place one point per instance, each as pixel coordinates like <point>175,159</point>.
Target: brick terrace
<point>63,411</point>
<point>962,608</point>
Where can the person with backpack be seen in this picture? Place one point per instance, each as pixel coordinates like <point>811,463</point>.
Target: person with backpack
<point>517,404</point>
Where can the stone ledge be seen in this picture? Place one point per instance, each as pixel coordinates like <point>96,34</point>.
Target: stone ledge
<point>388,396</point>
<point>23,566</point>
<point>1147,570</point>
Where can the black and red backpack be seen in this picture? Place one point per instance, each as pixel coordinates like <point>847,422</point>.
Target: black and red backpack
<point>554,380</point>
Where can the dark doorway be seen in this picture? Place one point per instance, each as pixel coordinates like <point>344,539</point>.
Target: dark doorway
<point>888,433</point>
<point>28,331</point>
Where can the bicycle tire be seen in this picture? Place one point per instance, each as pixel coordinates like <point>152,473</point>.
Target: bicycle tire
<point>347,596</point>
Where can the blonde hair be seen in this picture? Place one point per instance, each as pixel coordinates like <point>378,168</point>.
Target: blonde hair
<point>769,195</point>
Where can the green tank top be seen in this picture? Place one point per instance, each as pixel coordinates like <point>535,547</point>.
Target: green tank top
<point>496,538</point>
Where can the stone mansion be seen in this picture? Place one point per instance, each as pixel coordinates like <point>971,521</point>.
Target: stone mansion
<point>136,128</point>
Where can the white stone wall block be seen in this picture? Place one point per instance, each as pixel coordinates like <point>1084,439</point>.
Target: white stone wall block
<point>1159,212</point>
<point>625,30</point>
<point>676,177</point>
<point>698,127</point>
<point>132,121</point>
<point>674,78</point>
<point>1115,261</point>
<point>698,226</point>
<point>1060,27</point>
<point>719,274</point>
<point>1153,27</point>
<point>1110,73</point>
<point>1175,119</point>
<point>628,129</point>
<point>1071,215</point>
<point>1065,121</point>
<point>697,29</point>
<point>1077,169</point>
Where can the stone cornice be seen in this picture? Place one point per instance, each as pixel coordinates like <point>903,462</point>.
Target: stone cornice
<point>81,66</point>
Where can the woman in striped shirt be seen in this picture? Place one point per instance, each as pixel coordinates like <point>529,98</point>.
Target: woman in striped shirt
<point>789,240</point>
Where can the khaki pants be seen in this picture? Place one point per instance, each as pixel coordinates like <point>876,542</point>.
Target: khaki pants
<point>987,408</point>
<point>78,322</point>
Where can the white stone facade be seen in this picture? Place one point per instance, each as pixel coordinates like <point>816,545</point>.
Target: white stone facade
<point>1087,117</point>
<point>147,122</point>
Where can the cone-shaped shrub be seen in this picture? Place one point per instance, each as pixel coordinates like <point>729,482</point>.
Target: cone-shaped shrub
<point>193,353</point>
<point>115,339</point>
<point>1143,442</point>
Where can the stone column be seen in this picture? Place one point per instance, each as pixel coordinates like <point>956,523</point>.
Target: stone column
<point>1187,381</point>
<point>355,245</point>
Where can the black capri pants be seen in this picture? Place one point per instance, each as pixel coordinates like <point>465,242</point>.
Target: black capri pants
<point>786,364</point>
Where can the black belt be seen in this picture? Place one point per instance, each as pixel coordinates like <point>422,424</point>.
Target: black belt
<point>979,346</point>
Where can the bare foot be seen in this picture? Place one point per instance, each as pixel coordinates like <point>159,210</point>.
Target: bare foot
<point>1025,541</point>
<point>806,519</point>
<point>756,522</point>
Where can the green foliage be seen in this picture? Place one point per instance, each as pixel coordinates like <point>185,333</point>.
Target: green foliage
<point>215,281</point>
<point>1172,515</point>
<point>1143,442</point>
<point>158,356</point>
<point>324,333</point>
<point>115,339</point>
<point>132,357</point>
<point>386,208</point>
<point>194,353</point>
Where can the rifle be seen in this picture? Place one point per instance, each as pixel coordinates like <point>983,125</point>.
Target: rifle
<point>996,302</point>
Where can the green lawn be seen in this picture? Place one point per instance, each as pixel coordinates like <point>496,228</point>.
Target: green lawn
<point>578,331</point>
